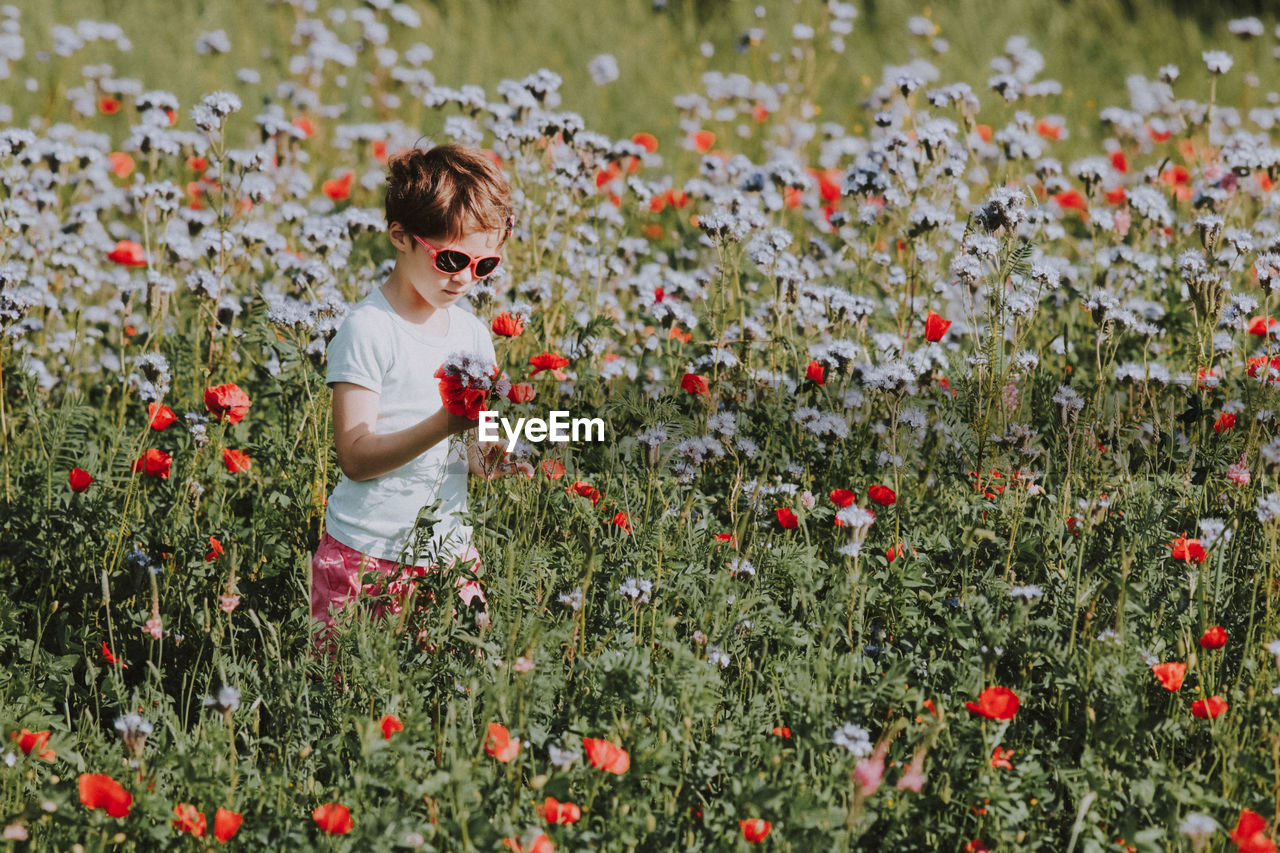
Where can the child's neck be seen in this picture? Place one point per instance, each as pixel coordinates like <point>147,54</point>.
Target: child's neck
<point>412,308</point>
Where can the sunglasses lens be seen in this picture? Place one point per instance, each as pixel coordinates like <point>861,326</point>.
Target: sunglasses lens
<point>486,266</point>
<point>450,261</point>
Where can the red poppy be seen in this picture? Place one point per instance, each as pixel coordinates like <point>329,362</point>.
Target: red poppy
<point>549,361</point>
<point>1116,196</point>
<point>935,327</point>
<point>755,830</point>
<point>552,469</point>
<point>188,819</point>
<point>540,844</point>
<point>339,189</point>
<point>647,141</point>
<point>159,416</point>
<point>1118,161</point>
<point>882,495</point>
<point>1209,708</point>
<point>305,125</point>
<point>227,401</point>
<point>34,742</point>
<point>236,461</point>
<point>1187,549</point>
<point>1225,421</point>
<point>976,846</point>
<point>500,744</point>
<point>787,518</point>
<point>1170,674</point>
<point>1262,326</point>
<point>814,372</point>
<point>216,550</point>
<point>607,175</point>
<point>1176,175</point>
<point>782,731</point>
<point>702,140</point>
<point>1000,758</point>
<point>555,812</point>
<point>333,818</point>
<point>226,824</point>
<point>1071,200</point>
<point>507,325</point>
<point>154,463</point>
<point>843,497</point>
<point>122,164</point>
<point>1214,638</point>
<point>623,521</point>
<point>1049,130</point>
<point>390,724</point>
<point>695,384</point>
<point>829,184</point>
<point>80,479</point>
<point>1260,362</point>
<point>99,791</point>
<point>726,537</point>
<point>521,392</point>
<point>106,653</point>
<point>459,398</point>
<point>995,703</point>
<point>128,253</point>
<point>607,756</point>
<point>108,105</point>
<point>1250,834</point>
<point>585,490</point>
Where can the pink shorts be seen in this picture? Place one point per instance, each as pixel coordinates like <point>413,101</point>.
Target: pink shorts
<point>337,571</point>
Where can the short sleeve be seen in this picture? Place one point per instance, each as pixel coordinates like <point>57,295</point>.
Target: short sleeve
<point>359,353</point>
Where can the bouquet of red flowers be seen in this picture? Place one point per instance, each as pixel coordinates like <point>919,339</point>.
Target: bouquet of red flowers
<point>466,381</point>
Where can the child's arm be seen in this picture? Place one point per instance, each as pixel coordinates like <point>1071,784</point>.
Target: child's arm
<point>364,454</point>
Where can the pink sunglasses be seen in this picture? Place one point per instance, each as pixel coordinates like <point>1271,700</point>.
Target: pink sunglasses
<point>452,261</point>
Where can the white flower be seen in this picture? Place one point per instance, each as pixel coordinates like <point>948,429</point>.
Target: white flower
<point>562,758</point>
<point>1030,592</point>
<point>854,738</point>
<point>1268,507</point>
<point>1198,827</point>
<point>1217,61</point>
<point>636,589</point>
<point>228,699</point>
<point>717,655</point>
<point>603,69</point>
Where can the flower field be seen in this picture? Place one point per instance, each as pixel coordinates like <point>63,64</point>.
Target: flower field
<point>938,507</point>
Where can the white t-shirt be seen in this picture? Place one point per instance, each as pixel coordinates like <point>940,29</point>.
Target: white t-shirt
<point>378,349</point>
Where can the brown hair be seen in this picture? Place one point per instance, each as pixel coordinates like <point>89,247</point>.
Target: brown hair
<point>444,192</point>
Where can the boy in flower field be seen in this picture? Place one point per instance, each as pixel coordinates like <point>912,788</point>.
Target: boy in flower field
<point>448,215</point>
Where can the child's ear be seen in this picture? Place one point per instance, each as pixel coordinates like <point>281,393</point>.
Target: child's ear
<point>399,237</point>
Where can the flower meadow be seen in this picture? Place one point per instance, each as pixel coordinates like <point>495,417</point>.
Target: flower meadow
<point>938,508</point>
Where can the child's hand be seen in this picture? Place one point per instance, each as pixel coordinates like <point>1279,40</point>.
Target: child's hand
<point>488,460</point>
<point>456,423</point>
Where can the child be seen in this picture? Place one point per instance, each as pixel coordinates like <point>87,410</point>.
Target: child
<point>448,214</point>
